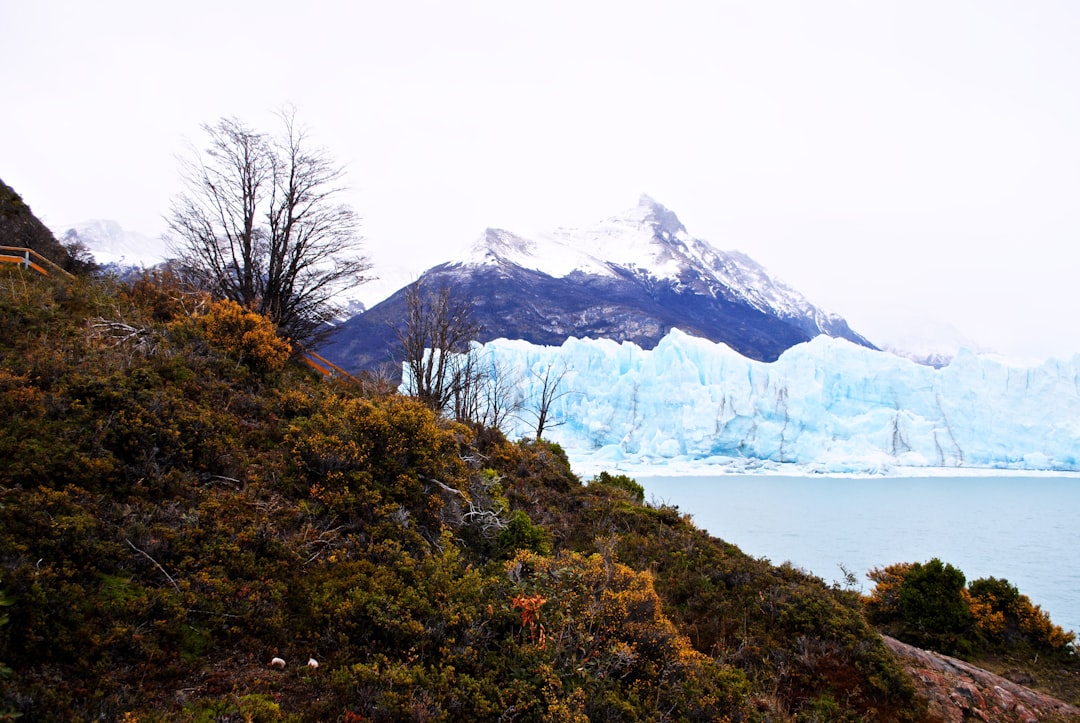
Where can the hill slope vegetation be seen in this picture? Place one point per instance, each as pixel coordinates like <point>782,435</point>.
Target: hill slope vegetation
<point>182,506</point>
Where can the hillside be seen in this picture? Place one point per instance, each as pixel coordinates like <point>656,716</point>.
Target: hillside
<point>181,504</point>
<point>19,227</point>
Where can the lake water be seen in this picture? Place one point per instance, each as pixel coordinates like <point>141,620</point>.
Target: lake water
<point>1025,529</point>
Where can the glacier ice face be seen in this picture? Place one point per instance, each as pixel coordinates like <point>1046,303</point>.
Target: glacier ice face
<point>826,405</point>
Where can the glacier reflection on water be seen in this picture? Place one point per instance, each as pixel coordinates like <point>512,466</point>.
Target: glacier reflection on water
<point>1023,528</point>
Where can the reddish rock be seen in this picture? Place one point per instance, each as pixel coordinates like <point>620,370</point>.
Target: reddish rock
<point>959,692</point>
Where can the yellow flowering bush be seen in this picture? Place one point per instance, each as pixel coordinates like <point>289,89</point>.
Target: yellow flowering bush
<point>242,333</point>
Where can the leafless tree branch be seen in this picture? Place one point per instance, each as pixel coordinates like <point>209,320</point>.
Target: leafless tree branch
<point>259,222</point>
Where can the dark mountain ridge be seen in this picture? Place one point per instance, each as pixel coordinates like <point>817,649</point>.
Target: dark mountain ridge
<point>631,278</point>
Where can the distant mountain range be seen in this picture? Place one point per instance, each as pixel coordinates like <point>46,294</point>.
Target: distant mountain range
<point>112,245</point>
<point>633,277</point>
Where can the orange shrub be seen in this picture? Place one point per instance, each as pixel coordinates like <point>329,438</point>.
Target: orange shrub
<point>252,338</point>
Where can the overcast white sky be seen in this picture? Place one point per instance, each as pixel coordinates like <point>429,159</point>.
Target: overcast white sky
<point>894,161</point>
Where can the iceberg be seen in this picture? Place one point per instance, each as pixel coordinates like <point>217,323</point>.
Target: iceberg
<point>827,406</point>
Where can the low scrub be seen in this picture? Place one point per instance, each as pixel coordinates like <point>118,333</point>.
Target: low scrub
<point>180,506</point>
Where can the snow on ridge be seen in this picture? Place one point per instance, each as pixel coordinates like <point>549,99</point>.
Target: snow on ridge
<point>632,240</point>
<point>543,253</point>
<point>648,240</point>
<point>753,283</point>
<point>110,243</point>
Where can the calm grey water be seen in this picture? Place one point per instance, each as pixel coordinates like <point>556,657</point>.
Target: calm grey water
<point>1025,529</point>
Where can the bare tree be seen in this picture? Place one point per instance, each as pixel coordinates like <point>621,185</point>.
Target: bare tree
<point>438,329</point>
<point>260,223</point>
<point>550,392</point>
<point>487,391</point>
<point>499,395</point>
<point>472,379</point>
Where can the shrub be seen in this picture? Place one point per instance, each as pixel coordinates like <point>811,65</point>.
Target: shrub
<point>520,534</point>
<point>884,601</point>
<point>593,624</point>
<point>1006,617</point>
<point>622,482</point>
<point>927,604</point>
<point>932,603</point>
<point>246,335</point>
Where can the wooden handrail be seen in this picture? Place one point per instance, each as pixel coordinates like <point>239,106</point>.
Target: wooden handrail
<point>326,367</point>
<point>24,258</point>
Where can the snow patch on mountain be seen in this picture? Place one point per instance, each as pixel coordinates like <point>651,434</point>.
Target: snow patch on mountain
<point>648,242</point>
<point>110,243</point>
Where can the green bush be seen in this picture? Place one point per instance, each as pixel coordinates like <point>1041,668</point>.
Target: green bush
<point>622,482</point>
<point>520,534</point>
<point>932,604</point>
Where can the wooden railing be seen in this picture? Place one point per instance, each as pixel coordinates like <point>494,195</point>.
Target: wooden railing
<point>326,367</point>
<point>30,259</point>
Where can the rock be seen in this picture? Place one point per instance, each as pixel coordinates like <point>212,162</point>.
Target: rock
<point>958,692</point>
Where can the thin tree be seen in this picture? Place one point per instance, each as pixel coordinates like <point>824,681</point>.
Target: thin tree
<point>487,391</point>
<point>260,223</point>
<point>470,380</point>
<point>550,392</point>
<point>500,394</point>
<point>435,338</point>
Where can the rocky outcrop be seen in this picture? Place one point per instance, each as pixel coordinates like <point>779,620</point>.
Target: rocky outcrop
<point>959,692</point>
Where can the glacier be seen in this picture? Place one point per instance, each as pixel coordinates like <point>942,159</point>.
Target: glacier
<point>824,406</point>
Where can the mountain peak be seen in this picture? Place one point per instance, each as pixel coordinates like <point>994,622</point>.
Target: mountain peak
<point>632,277</point>
<point>651,212</point>
<point>649,242</point>
<point>496,245</point>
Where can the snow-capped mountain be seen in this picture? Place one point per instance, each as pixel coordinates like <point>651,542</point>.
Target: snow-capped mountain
<point>633,277</point>
<point>111,244</point>
<point>650,242</point>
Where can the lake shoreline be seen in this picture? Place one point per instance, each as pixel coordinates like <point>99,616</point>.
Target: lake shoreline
<point>1022,526</point>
